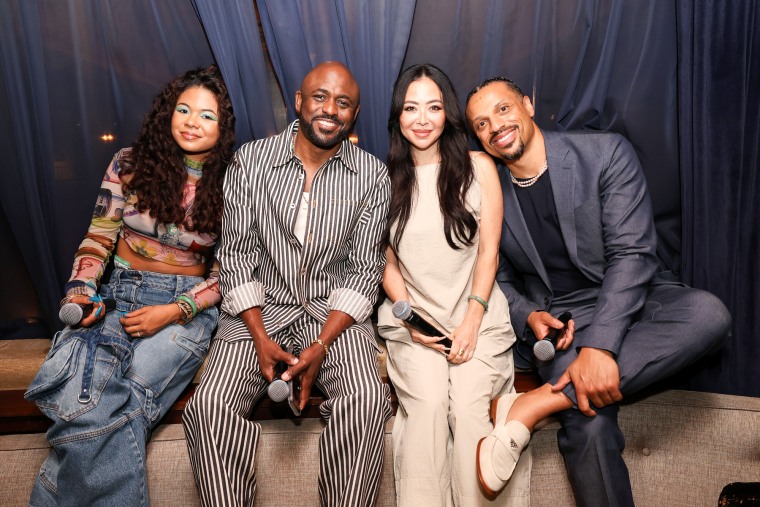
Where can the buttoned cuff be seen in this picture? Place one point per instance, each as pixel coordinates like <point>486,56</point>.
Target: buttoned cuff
<point>350,302</point>
<point>243,297</point>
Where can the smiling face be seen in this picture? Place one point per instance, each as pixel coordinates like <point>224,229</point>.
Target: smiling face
<point>423,118</point>
<point>195,123</point>
<point>327,105</point>
<point>502,120</point>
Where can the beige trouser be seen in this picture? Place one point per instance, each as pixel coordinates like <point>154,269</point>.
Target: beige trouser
<point>443,413</point>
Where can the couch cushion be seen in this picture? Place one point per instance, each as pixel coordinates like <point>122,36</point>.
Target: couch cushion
<point>20,360</point>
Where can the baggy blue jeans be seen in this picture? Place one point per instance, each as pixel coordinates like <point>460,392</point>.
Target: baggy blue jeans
<point>105,391</point>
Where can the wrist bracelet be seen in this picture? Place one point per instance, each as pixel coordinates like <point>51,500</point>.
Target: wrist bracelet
<point>323,344</point>
<point>479,300</point>
<point>191,302</point>
<point>186,312</point>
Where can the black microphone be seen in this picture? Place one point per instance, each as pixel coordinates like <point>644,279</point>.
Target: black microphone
<point>71,313</point>
<point>403,310</point>
<point>544,349</point>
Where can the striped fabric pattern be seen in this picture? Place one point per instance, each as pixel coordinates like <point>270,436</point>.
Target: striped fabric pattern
<point>340,265</point>
<point>264,264</point>
<point>222,441</point>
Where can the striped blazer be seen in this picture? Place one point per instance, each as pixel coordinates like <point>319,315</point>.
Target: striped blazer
<point>339,266</point>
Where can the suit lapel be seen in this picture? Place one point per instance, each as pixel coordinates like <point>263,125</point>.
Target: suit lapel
<point>562,177</point>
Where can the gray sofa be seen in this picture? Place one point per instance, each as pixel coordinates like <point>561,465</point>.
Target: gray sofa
<point>682,449</point>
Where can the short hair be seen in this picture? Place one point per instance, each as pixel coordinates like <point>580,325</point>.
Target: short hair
<point>496,79</point>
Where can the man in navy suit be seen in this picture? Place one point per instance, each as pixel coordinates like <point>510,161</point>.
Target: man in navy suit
<point>578,235</point>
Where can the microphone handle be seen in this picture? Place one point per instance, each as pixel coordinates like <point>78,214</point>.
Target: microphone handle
<point>422,325</point>
<point>426,328</point>
<point>279,368</point>
<point>554,333</point>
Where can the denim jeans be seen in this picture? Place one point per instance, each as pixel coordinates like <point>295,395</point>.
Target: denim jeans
<point>105,391</point>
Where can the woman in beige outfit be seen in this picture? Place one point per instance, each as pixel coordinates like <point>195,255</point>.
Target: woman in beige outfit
<point>443,234</point>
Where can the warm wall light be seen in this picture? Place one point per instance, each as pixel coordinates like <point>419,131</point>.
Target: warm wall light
<point>108,138</point>
<point>354,138</point>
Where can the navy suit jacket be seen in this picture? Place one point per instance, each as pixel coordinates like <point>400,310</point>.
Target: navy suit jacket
<point>606,220</point>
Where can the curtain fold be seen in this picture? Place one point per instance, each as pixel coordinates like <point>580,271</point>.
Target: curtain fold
<point>719,113</point>
<point>27,196</point>
<point>232,31</point>
<point>370,38</point>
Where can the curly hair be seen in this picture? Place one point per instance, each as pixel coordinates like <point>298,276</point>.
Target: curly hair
<point>156,166</point>
<point>455,176</point>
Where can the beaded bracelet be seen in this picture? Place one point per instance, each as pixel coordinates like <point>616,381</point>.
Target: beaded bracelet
<point>186,311</point>
<point>479,300</point>
<point>190,302</point>
<point>323,344</point>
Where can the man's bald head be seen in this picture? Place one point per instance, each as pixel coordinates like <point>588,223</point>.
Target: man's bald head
<point>335,70</point>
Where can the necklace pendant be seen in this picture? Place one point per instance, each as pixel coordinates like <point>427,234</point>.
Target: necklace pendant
<point>172,229</point>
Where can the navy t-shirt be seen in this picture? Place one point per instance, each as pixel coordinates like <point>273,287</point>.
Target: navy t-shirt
<point>540,213</point>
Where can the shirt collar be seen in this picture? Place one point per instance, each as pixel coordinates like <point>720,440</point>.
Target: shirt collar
<point>346,153</point>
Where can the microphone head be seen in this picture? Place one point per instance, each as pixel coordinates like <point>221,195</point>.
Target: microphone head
<point>278,390</point>
<point>543,350</point>
<point>402,310</point>
<point>70,314</point>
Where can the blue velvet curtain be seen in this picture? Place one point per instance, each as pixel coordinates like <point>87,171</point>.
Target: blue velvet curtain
<point>27,197</point>
<point>719,121</point>
<point>369,37</point>
<point>233,34</point>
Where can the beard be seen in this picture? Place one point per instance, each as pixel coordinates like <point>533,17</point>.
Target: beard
<point>515,155</point>
<point>318,139</point>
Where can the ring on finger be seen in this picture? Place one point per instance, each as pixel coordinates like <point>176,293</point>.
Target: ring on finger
<point>137,334</point>
<point>460,353</point>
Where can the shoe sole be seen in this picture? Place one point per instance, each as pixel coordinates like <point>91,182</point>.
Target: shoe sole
<point>491,495</point>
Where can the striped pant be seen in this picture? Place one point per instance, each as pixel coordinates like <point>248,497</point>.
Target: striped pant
<point>222,441</point>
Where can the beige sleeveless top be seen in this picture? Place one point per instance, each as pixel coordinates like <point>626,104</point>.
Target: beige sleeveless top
<point>439,278</point>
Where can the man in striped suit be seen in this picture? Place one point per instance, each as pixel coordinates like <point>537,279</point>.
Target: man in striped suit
<point>300,265</point>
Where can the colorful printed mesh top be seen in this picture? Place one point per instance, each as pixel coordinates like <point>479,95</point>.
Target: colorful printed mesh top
<point>115,215</point>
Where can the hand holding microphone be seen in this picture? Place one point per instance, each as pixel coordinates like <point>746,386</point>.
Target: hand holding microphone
<point>402,310</point>
<point>280,390</point>
<point>72,313</point>
<point>544,350</point>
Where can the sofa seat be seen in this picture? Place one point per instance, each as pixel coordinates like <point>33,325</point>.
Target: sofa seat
<point>682,449</point>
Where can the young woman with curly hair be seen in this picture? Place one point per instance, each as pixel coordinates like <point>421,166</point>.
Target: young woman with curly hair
<point>442,252</point>
<point>110,377</point>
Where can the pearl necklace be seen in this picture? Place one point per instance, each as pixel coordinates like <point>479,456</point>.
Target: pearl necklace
<point>529,181</point>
